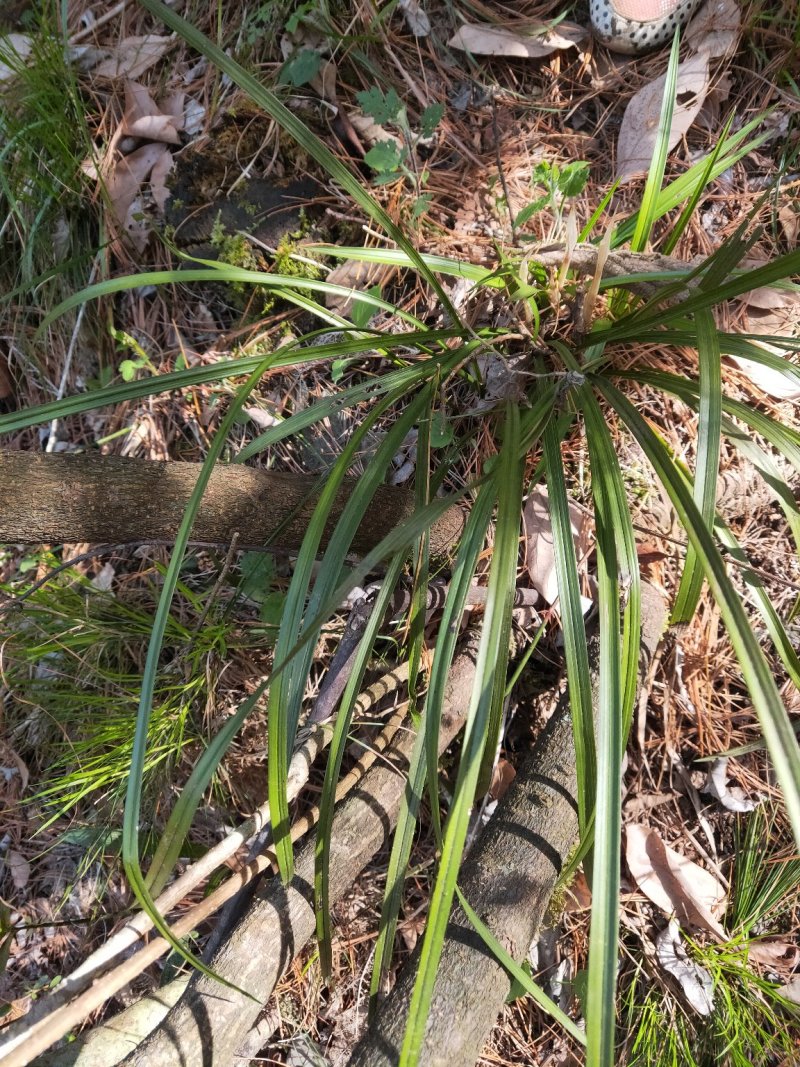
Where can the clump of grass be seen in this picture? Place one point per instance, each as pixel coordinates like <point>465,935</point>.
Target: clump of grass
<point>45,139</point>
<point>752,1024</point>
<point>766,883</point>
<point>748,1027</point>
<point>72,671</point>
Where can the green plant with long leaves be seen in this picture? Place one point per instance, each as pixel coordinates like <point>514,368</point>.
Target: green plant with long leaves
<point>582,384</point>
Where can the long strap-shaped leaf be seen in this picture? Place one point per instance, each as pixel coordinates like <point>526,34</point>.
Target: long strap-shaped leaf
<point>490,673</point>
<point>287,691</point>
<point>218,272</point>
<point>709,435</point>
<point>778,269</point>
<point>775,723</point>
<point>297,129</point>
<point>603,941</point>
<point>133,799</point>
<point>290,355</point>
<point>427,737</point>
<point>648,208</point>
<point>573,628</point>
<point>333,767</point>
<point>520,975</point>
<point>784,438</point>
<point>671,196</point>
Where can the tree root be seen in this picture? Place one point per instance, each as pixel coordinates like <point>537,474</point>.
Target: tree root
<point>69,499</point>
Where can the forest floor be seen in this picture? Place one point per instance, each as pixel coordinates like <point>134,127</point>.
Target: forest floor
<point>151,154</point>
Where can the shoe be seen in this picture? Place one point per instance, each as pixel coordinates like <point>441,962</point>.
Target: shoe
<point>636,25</point>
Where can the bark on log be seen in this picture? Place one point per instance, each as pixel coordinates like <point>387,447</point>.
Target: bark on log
<point>209,1023</point>
<point>508,879</point>
<point>110,1042</point>
<point>57,499</point>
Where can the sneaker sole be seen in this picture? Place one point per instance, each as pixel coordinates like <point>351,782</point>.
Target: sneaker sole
<point>622,34</point>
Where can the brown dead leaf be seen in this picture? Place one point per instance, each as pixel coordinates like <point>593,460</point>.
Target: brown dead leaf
<point>18,868</point>
<point>132,56</point>
<point>6,383</point>
<point>14,772</point>
<point>324,82</point>
<point>637,135</point>
<point>124,185</point>
<point>768,298</point>
<point>357,276</point>
<point>789,218</point>
<point>502,777</point>
<point>539,548</point>
<point>715,29</point>
<point>709,117</point>
<point>776,954</point>
<point>143,118</point>
<point>675,884</point>
<point>524,41</point>
<point>771,312</point>
<point>579,896</point>
<point>158,179</point>
<point>410,930</point>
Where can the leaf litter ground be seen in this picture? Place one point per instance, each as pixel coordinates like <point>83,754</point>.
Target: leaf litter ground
<point>495,166</point>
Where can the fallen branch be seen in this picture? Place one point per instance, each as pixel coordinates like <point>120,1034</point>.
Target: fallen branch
<point>210,1021</point>
<point>69,499</point>
<point>94,982</point>
<point>358,832</point>
<point>508,880</point>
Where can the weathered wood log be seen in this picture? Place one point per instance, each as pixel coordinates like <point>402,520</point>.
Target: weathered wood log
<point>210,1021</point>
<point>110,1042</point>
<point>508,879</point>
<point>72,498</point>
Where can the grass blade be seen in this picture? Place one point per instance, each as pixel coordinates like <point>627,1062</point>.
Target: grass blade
<point>603,939</point>
<point>648,209</point>
<point>333,766</point>
<point>490,673</point>
<point>704,180</point>
<point>515,971</point>
<point>784,438</point>
<point>289,356</point>
<point>709,434</point>
<point>573,628</point>
<point>133,799</point>
<point>775,723</point>
<point>676,192</point>
<point>219,272</point>
<point>286,692</point>
<point>633,325</point>
<point>425,754</point>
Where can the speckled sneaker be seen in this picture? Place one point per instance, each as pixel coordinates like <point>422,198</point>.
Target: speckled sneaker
<point>636,25</point>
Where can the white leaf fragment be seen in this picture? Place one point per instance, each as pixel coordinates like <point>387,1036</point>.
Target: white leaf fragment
<point>731,797</point>
<point>695,982</point>
<point>525,41</point>
<point>417,21</point>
